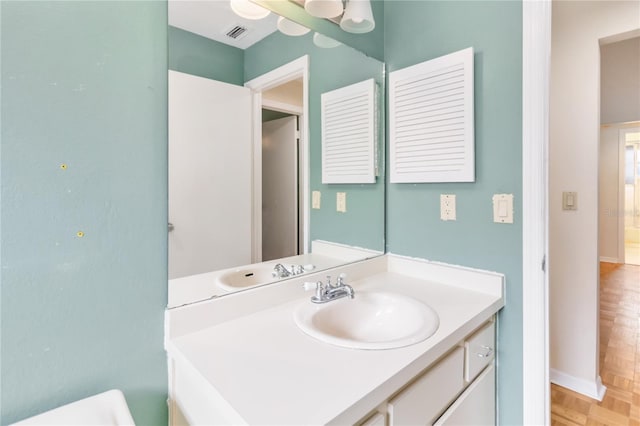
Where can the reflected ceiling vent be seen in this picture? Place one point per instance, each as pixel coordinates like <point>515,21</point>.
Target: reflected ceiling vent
<point>236,32</point>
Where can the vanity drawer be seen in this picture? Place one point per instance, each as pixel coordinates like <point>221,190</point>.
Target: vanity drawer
<point>479,351</point>
<point>423,400</point>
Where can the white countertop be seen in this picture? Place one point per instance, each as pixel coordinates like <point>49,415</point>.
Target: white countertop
<point>270,372</point>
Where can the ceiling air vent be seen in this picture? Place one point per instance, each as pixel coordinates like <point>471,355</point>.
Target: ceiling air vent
<point>236,32</point>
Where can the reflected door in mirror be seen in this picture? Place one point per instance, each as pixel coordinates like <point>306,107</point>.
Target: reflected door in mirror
<point>209,175</point>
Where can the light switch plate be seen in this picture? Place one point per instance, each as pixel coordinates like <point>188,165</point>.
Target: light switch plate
<point>503,208</point>
<point>315,199</point>
<point>569,200</point>
<point>341,202</point>
<point>447,207</point>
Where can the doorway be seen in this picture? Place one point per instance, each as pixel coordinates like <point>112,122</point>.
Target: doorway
<point>280,188</point>
<point>619,193</point>
<point>284,92</point>
<point>630,140</point>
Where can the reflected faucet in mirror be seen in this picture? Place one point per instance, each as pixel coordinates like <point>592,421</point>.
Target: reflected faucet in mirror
<point>281,271</point>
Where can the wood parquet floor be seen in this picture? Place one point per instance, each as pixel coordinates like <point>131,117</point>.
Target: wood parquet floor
<point>619,357</point>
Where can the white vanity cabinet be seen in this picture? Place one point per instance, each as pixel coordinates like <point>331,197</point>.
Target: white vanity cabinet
<point>458,390</point>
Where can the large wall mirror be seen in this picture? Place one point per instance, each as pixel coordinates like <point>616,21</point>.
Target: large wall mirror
<point>247,205</point>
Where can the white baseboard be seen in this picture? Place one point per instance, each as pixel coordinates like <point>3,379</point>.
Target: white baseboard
<point>589,388</point>
<point>609,259</point>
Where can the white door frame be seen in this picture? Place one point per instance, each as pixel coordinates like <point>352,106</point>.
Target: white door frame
<point>621,196</point>
<point>536,55</point>
<point>298,68</point>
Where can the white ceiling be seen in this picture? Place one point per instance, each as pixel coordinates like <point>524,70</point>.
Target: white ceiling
<point>214,18</point>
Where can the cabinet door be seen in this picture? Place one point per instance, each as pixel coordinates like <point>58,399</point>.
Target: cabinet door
<point>377,419</point>
<point>477,404</point>
<point>423,400</point>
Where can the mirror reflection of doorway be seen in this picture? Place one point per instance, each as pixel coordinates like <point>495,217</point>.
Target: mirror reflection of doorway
<point>631,140</point>
<point>279,186</point>
<point>282,231</point>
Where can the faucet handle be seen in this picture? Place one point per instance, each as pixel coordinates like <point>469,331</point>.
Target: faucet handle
<point>318,287</point>
<point>341,279</point>
<point>297,269</point>
<point>308,285</point>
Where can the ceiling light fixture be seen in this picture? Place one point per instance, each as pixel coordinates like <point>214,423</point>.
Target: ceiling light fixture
<point>248,10</point>
<point>324,8</point>
<point>291,28</point>
<point>358,17</point>
<point>323,41</point>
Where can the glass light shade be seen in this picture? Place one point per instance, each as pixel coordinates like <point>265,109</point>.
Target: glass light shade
<point>358,17</point>
<point>323,41</point>
<point>291,28</point>
<point>248,10</point>
<point>324,8</point>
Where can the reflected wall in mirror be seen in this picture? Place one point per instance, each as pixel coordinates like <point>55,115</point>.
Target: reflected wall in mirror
<point>223,204</point>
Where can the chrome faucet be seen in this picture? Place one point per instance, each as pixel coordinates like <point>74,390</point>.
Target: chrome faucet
<point>281,271</point>
<point>328,292</point>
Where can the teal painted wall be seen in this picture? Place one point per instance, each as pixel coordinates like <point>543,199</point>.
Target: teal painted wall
<point>420,30</point>
<point>83,84</point>
<point>363,223</point>
<point>196,55</point>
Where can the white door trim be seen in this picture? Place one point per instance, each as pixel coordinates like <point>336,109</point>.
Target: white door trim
<point>536,54</point>
<point>622,256</point>
<point>290,71</point>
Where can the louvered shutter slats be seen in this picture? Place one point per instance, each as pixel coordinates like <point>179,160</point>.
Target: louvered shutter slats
<point>349,127</point>
<point>431,121</point>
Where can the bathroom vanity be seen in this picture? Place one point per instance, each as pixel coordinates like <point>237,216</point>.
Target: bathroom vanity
<point>243,359</point>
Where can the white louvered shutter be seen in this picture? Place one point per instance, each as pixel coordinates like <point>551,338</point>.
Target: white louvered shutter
<point>431,121</point>
<point>349,134</point>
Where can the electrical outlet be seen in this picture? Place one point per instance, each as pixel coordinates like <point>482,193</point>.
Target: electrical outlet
<point>447,207</point>
<point>315,199</point>
<point>341,202</point>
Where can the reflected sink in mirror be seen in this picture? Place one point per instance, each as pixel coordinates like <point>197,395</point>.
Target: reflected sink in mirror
<point>372,320</point>
<point>257,274</point>
<point>324,255</point>
<point>248,277</point>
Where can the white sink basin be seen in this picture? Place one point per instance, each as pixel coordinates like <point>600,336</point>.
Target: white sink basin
<point>246,277</point>
<point>372,320</point>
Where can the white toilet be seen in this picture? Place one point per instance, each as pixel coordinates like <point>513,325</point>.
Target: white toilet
<point>107,408</point>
